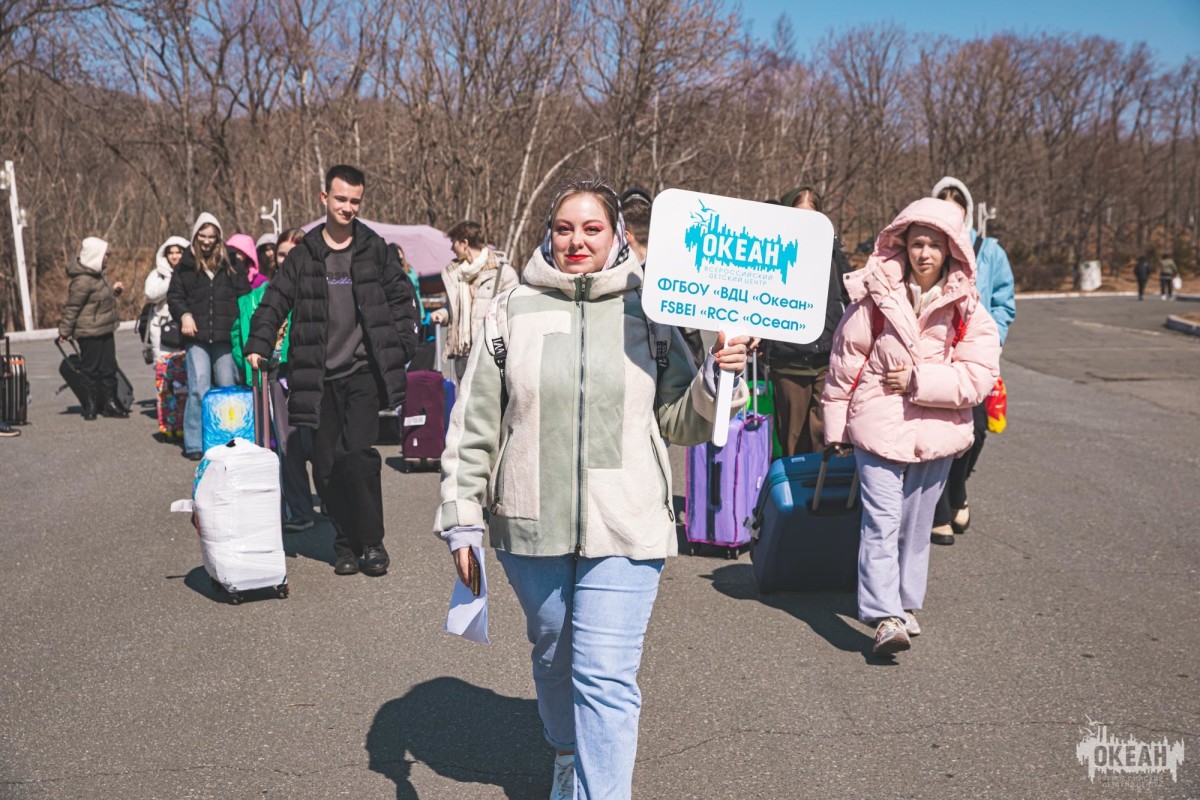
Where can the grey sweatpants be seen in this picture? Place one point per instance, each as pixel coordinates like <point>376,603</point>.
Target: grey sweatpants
<point>898,501</point>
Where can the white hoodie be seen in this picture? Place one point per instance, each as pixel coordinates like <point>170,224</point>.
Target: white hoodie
<point>157,283</point>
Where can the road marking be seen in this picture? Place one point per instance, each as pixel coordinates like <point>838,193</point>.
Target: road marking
<point>1089,324</point>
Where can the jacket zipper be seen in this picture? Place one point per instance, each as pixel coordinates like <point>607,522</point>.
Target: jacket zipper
<point>581,294</point>
<point>495,507</point>
<point>663,474</point>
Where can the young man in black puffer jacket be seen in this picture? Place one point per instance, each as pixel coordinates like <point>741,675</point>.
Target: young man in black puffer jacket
<point>798,370</point>
<point>353,329</point>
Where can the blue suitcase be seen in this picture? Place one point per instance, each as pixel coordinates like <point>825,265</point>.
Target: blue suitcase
<point>807,524</point>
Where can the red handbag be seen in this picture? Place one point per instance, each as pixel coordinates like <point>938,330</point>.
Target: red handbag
<point>997,407</point>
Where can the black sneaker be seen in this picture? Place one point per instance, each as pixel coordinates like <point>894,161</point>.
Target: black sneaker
<point>375,561</point>
<point>346,565</point>
<point>193,456</point>
<point>8,430</point>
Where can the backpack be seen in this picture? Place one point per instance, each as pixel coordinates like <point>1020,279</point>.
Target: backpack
<point>496,340</point>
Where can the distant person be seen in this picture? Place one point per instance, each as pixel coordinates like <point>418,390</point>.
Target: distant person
<point>293,444</point>
<point>266,246</point>
<point>798,370</point>
<point>635,209</point>
<point>1141,271</point>
<point>90,317</point>
<point>203,297</point>
<point>912,356</point>
<point>170,369</point>
<point>579,494</point>
<point>245,256</point>
<point>1166,275</point>
<point>476,274</point>
<point>996,286</point>
<point>353,330</point>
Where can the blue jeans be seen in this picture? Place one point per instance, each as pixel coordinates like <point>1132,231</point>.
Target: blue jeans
<point>586,619</point>
<point>207,365</point>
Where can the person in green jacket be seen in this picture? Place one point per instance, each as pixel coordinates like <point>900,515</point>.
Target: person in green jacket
<point>574,472</point>
<point>294,444</point>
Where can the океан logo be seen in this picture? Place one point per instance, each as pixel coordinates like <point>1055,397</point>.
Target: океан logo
<point>1110,755</point>
<point>716,244</point>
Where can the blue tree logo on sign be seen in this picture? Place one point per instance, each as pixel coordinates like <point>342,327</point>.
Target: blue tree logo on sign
<point>715,243</point>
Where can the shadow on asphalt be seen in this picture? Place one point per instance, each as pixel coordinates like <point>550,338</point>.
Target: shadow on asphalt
<point>463,733</point>
<point>198,581</point>
<point>824,612</point>
<point>401,464</point>
<point>315,543</point>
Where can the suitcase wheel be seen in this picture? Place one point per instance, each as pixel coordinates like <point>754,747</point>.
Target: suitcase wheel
<point>235,598</point>
<point>281,591</point>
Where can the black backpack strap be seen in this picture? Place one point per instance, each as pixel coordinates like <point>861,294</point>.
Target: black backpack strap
<point>495,339</point>
<point>978,244</point>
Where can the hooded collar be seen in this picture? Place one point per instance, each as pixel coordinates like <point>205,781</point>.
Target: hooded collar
<point>160,257</point>
<point>623,276</point>
<point>91,254</point>
<point>360,240</point>
<point>206,218</point>
<point>883,277</point>
<point>954,183</point>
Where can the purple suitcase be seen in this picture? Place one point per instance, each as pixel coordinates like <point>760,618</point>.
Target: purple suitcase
<point>723,485</point>
<point>423,417</point>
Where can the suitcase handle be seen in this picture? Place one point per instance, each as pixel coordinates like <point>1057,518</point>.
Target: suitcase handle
<point>816,501</point>
<point>262,408</point>
<point>58,344</point>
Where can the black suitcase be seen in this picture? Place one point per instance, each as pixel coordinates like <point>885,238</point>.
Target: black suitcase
<point>806,526</point>
<point>69,369</point>
<point>14,391</point>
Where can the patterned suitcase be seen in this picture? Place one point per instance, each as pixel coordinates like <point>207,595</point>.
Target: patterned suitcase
<point>228,413</point>
<point>170,383</point>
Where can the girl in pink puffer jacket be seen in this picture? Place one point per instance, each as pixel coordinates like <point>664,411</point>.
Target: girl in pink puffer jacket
<point>914,353</point>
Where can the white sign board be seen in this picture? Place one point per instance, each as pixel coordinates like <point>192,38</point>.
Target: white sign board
<point>1090,276</point>
<point>720,263</point>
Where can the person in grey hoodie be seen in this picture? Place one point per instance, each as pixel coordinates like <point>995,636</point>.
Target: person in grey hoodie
<point>561,439</point>
<point>90,317</point>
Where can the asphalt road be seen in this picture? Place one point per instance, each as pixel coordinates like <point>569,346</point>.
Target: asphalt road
<point>1072,598</point>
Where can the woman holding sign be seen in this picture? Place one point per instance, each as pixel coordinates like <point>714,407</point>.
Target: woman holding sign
<point>559,429</point>
<point>913,355</point>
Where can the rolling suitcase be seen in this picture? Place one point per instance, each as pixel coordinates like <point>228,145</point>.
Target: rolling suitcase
<point>423,417</point>
<point>723,484</point>
<point>228,413</point>
<point>70,370</point>
<point>14,391</point>
<point>806,526</point>
<point>235,507</point>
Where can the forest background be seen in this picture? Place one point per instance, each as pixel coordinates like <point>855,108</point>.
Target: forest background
<point>127,118</point>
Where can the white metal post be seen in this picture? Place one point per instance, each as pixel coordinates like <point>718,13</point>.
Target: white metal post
<point>18,224</point>
<point>275,217</point>
<point>984,214</point>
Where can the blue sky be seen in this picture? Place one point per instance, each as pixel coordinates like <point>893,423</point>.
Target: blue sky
<point>1170,27</point>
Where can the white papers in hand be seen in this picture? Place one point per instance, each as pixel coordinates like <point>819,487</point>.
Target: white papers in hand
<point>468,614</point>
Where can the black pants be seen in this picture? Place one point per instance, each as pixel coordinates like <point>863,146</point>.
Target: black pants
<point>98,364</point>
<point>1141,281</point>
<point>955,494</point>
<point>346,466</point>
<point>1168,288</point>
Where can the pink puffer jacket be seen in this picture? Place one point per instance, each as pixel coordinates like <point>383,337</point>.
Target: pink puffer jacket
<point>934,418</point>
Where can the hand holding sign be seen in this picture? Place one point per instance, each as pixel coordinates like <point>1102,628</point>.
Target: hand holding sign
<point>739,268</point>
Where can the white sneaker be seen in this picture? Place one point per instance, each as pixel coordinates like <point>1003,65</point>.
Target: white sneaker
<point>563,782</point>
<point>911,626</point>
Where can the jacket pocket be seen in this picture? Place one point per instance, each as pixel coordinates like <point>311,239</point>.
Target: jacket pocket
<point>655,445</point>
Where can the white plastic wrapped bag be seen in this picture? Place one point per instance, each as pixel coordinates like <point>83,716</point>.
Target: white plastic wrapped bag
<point>236,506</point>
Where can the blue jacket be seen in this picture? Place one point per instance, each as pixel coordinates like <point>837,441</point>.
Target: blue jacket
<point>994,279</point>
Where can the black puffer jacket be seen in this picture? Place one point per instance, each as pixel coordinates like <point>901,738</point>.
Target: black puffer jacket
<point>815,355</point>
<point>387,312</point>
<point>212,303</point>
